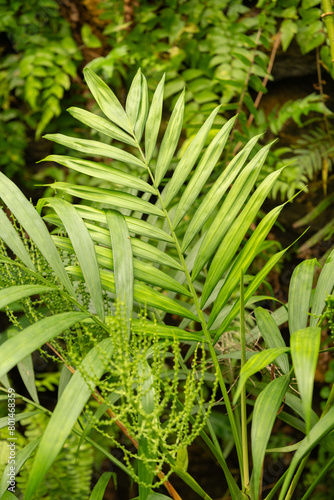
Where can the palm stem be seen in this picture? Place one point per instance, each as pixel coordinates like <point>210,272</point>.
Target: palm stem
<point>243,392</point>
<point>201,320</point>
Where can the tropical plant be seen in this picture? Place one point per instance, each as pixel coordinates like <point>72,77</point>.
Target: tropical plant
<point>102,260</point>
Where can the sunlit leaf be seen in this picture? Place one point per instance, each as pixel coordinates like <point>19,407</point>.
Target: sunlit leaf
<point>107,100</point>
<point>100,171</point>
<point>170,140</point>
<point>153,120</point>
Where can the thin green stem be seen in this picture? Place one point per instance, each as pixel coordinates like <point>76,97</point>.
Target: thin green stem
<point>296,477</point>
<point>328,18</point>
<point>243,392</point>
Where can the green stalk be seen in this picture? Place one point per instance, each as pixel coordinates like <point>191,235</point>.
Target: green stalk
<point>245,480</point>
<point>201,320</point>
<point>328,18</point>
<point>296,477</point>
<point>318,479</point>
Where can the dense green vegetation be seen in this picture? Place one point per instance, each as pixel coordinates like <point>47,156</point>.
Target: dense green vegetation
<point>144,267</point>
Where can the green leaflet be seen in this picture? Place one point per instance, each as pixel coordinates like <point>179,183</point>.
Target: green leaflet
<point>255,364</point>
<point>212,199</point>
<point>20,459</point>
<point>305,345</point>
<point>122,260</point>
<point>136,226</point>
<point>266,407</point>
<point>202,172</point>
<point>153,120</point>
<point>271,335</point>
<point>165,331</point>
<point>107,100</point>
<point>137,104</point>
<point>300,294</point>
<point>26,370</point>
<point>95,148</point>
<point>14,293</point>
<point>101,171</point>
<point>13,241</point>
<point>101,125</point>
<point>170,140</point>
<point>100,487</point>
<point>84,249</point>
<point>133,99</point>
<point>108,197</point>
<point>188,160</point>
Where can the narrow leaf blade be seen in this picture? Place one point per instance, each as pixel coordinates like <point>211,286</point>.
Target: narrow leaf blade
<point>305,345</point>
<point>300,294</point>
<point>84,249</point>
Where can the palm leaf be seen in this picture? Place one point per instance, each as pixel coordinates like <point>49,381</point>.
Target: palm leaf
<point>305,345</point>
<point>84,249</point>
<point>101,125</point>
<point>107,101</point>
<point>13,241</point>
<point>170,140</point>
<point>101,171</point>
<point>300,294</point>
<point>96,149</point>
<point>215,194</point>
<point>122,261</point>
<point>153,120</point>
<point>265,411</point>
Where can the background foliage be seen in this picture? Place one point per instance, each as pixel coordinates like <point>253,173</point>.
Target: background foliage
<point>241,55</point>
